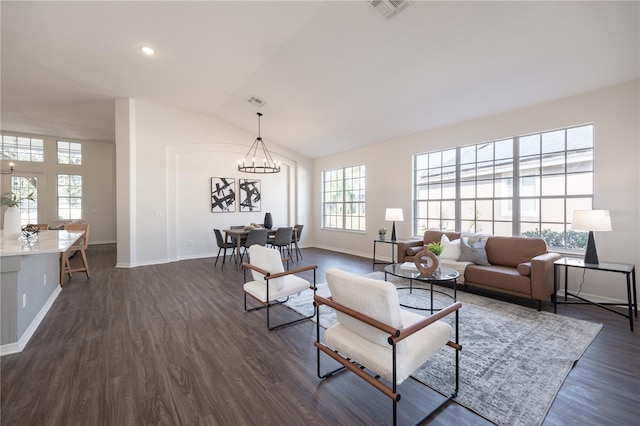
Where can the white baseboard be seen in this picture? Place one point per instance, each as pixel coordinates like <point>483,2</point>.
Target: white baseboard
<point>354,253</point>
<point>12,348</point>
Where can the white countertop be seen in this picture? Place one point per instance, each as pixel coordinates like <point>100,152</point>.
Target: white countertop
<point>47,242</point>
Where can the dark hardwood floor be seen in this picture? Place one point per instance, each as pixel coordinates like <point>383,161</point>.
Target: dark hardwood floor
<point>171,345</point>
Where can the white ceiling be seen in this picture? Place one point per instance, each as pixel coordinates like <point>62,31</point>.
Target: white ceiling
<point>334,75</point>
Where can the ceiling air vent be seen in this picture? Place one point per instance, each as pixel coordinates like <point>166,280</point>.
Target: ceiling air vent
<point>389,8</point>
<point>255,101</point>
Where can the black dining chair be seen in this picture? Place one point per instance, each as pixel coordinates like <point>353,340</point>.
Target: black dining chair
<point>295,239</point>
<point>256,236</point>
<point>223,245</point>
<point>234,239</point>
<point>282,240</point>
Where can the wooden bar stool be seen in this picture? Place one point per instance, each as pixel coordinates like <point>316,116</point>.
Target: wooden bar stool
<point>81,246</point>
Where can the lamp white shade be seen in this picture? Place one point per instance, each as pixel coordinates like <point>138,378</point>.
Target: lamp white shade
<point>393,214</point>
<point>591,220</point>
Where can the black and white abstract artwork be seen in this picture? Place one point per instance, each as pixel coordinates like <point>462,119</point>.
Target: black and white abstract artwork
<point>249,195</point>
<point>223,195</point>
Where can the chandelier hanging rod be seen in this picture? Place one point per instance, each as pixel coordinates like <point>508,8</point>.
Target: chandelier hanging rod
<point>249,164</point>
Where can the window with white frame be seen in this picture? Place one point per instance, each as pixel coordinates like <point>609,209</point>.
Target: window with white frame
<point>343,198</point>
<point>25,189</point>
<point>69,152</point>
<point>20,148</point>
<point>526,185</point>
<point>69,197</point>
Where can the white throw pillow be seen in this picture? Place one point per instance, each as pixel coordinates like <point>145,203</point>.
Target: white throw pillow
<point>451,249</point>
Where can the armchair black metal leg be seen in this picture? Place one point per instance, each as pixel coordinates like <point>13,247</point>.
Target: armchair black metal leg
<point>330,373</point>
<point>289,322</point>
<point>219,250</point>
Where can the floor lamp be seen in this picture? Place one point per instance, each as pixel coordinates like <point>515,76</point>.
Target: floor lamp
<point>591,220</point>
<point>393,214</point>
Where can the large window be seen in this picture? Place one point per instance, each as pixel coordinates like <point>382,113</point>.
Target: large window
<point>526,185</point>
<point>343,202</point>
<point>26,190</point>
<point>69,153</point>
<point>69,197</point>
<point>22,149</point>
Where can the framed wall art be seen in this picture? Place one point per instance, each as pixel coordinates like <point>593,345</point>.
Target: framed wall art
<point>249,190</point>
<point>223,195</point>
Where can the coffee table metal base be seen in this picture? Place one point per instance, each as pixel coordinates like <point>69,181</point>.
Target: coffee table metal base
<point>443,276</point>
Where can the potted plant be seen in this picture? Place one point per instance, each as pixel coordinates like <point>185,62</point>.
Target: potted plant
<point>435,248</point>
<point>382,232</point>
<point>10,199</point>
<point>12,226</point>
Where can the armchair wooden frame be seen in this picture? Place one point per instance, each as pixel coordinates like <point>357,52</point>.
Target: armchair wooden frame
<point>395,336</point>
<point>269,303</point>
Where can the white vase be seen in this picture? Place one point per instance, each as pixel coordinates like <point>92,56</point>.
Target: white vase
<point>12,227</point>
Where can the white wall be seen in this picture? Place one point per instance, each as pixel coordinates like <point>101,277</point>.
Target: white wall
<point>615,113</point>
<point>174,154</point>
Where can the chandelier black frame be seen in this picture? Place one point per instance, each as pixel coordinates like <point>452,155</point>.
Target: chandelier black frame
<point>248,163</point>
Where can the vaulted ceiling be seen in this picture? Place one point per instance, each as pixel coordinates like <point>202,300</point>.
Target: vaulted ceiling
<point>333,75</point>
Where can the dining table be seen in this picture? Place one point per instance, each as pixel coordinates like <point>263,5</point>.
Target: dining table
<point>239,234</point>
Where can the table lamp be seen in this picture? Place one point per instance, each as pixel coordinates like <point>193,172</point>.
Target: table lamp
<point>591,220</point>
<point>393,214</point>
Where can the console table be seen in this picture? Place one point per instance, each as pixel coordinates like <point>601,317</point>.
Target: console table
<point>628,270</point>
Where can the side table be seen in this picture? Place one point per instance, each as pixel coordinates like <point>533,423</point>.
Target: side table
<point>628,270</point>
<point>394,244</point>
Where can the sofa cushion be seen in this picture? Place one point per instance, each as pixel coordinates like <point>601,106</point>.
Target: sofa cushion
<point>459,266</point>
<point>433,236</point>
<point>450,249</point>
<point>473,251</point>
<point>498,277</point>
<point>511,251</point>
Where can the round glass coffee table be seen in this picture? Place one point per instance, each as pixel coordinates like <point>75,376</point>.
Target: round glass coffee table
<point>441,276</point>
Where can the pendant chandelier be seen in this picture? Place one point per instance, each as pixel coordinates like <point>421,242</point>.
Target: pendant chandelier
<point>258,159</point>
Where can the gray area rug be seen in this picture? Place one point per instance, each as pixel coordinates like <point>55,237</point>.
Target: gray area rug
<point>513,360</point>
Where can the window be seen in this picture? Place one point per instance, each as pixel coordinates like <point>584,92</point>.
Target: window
<point>526,185</point>
<point>69,153</point>
<point>69,197</point>
<point>24,187</point>
<point>22,149</point>
<point>343,202</point>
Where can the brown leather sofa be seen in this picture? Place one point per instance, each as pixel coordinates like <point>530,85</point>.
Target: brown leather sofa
<point>518,266</point>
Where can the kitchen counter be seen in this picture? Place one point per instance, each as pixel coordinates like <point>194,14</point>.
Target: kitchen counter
<point>29,284</point>
<point>47,242</point>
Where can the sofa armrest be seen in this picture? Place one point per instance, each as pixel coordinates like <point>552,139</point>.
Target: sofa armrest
<point>404,245</point>
<point>542,275</point>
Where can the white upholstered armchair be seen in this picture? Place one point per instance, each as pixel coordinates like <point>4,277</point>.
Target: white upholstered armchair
<point>271,284</point>
<point>375,333</point>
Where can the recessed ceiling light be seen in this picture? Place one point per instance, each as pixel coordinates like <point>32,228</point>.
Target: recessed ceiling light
<point>147,50</point>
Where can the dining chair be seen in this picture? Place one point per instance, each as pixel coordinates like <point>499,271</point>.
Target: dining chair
<point>256,236</point>
<point>234,239</point>
<point>295,239</point>
<point>223,245</point>
<point>79,246</point>
<point>282,240</point>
